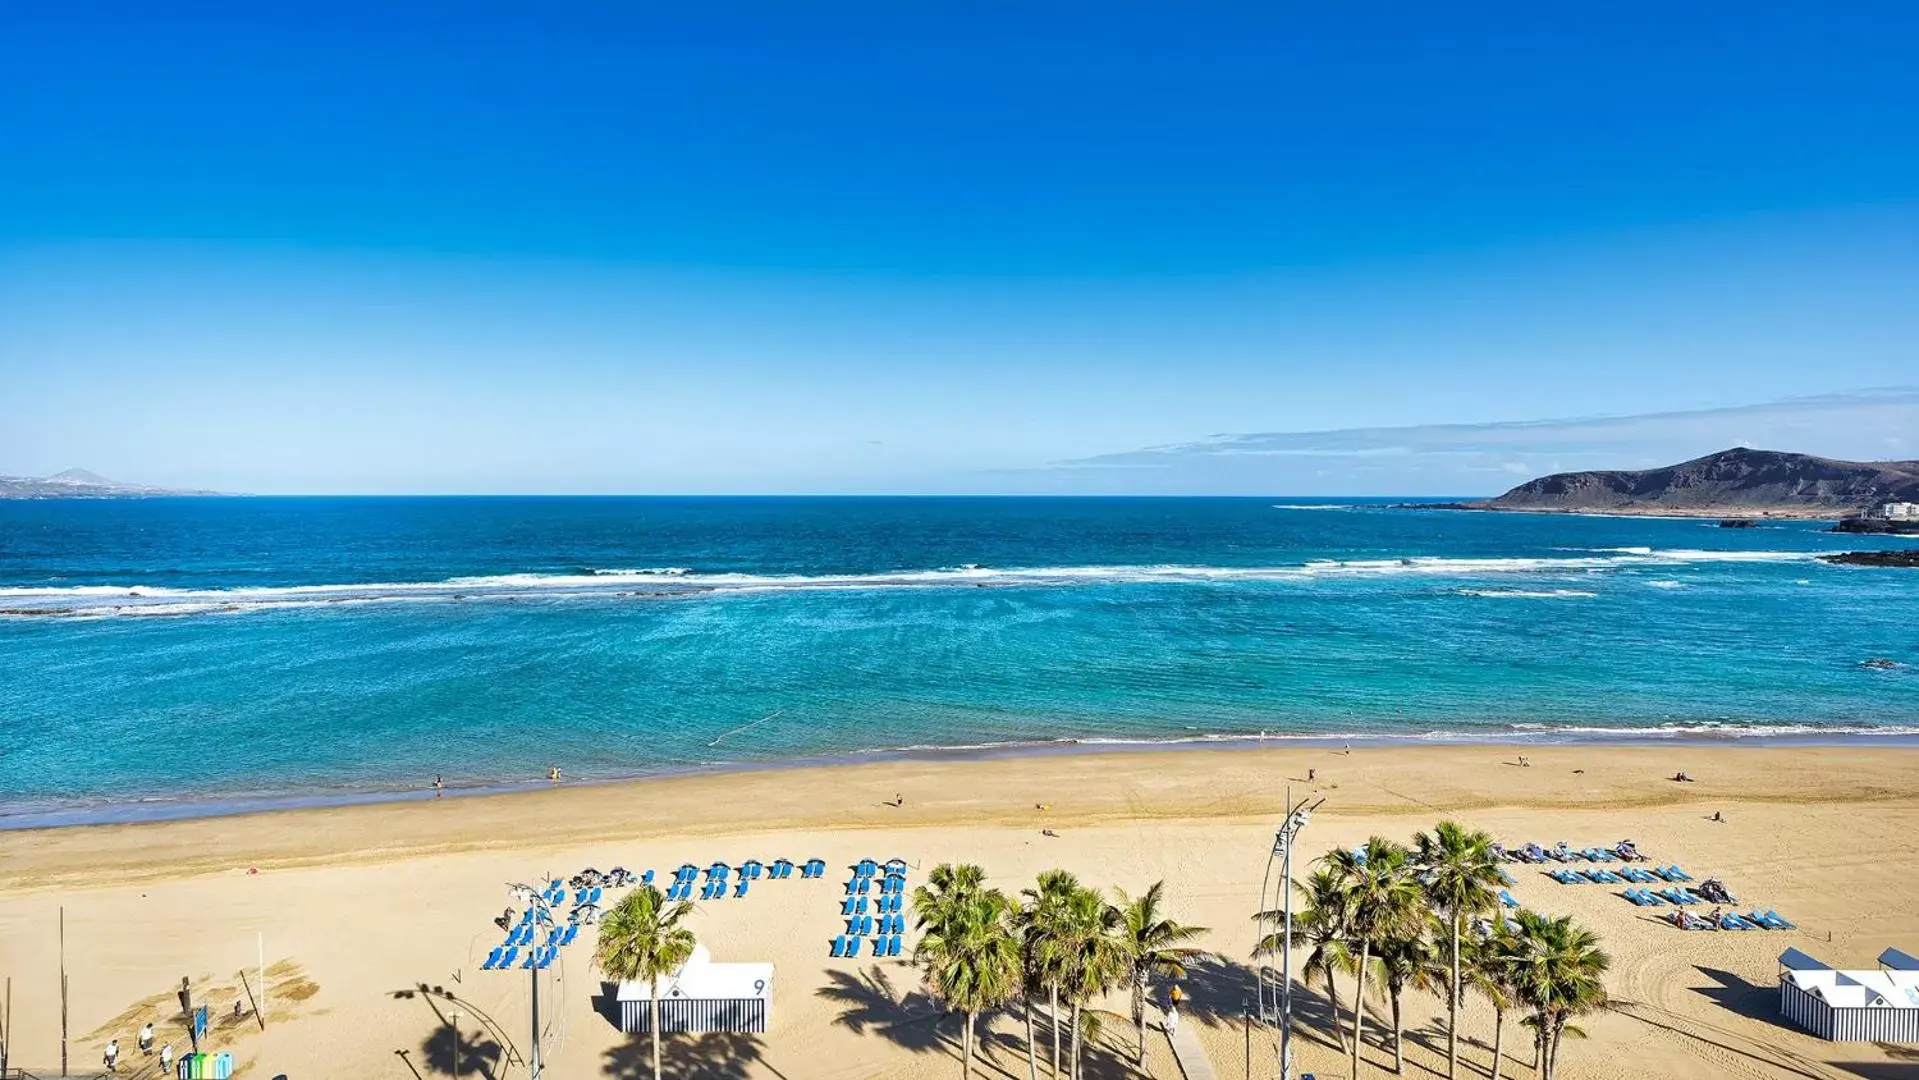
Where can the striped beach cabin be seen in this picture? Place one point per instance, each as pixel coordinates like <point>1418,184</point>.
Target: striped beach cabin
<point>1852,1006</point>
<point>702,996</point>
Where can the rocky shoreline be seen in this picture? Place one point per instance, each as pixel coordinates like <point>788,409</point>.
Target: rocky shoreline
<point>1908,558</point>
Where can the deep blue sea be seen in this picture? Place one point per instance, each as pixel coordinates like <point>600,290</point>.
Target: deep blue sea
<point>204,651</point>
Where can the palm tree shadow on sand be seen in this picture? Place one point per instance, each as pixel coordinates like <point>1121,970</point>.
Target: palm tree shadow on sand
<point>1220,991</point>
<point>717,1055</point>
<point>870,1003</point>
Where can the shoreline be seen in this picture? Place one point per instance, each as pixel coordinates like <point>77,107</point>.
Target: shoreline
<point>97,814</point>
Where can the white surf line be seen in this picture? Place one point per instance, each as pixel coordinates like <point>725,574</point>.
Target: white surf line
<point>735,731</point>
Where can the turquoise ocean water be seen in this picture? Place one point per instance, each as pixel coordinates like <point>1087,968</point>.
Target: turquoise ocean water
<point>186,653</point>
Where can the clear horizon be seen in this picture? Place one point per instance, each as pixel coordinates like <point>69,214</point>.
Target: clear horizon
<point>872,251</point>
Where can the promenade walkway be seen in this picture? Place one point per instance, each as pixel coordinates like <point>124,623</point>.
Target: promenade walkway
<point>1193,1062</point>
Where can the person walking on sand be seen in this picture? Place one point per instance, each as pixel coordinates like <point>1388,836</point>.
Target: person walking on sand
<point>146,1038</point>
<point>112,1056</point>
<point>166,1059</point>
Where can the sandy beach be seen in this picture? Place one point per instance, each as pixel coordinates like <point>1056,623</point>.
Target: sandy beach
<point>356,906</point>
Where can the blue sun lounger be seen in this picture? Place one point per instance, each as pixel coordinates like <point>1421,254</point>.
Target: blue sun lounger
<point>1506,898</point>
<point>739,890</point>
<point>813,868</point>
<point>1673,873</point>
<point>492,959</point>
<point>893,945</point>
<point>839,945</point>
<point>852,946</point>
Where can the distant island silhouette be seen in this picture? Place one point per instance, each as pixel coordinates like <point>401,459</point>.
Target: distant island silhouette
<point>1737,483</point>
<point>81,484</point>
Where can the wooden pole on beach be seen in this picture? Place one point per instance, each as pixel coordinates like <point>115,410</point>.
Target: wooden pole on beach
<point>63,990</point>
<point>261,942</point>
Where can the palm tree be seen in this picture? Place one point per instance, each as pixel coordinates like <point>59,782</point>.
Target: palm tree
<point>1556,971</point>
<point>1095,957</point>
<point>1322,925</point>
<point>641,938</point>
<point>1403,963</point>
<point>1384,902</point>
<point>1460,873</point>
<point>966,946</point>
<point>1044,935</point>
<point>1153,947</point>
<point>1488,961</point>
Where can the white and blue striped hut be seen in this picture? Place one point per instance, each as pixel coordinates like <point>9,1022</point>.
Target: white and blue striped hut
<point>702,996</point>
<point>1852,1006</point>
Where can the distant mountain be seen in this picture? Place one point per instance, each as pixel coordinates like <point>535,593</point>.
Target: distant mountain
<point>1731,482</point>
<point>80,484</point>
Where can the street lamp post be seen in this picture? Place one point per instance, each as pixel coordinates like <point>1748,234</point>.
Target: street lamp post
<point>1297,815</point>
<point>540,907</point>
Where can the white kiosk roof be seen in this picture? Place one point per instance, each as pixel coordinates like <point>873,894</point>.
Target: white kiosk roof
<point>703,979</point>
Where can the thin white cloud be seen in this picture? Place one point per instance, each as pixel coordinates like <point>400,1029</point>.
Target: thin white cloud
<point>1480,458</point>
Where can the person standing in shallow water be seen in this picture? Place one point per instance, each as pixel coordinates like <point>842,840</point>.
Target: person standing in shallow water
<point>553,774</point>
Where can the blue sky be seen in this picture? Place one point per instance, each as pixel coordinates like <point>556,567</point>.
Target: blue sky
<point>979,248</point>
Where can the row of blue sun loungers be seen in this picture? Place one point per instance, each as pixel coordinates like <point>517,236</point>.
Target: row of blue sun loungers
<point>844,946</point>
<point>1563,852</point>
<point>863,925</point>
<point>1614,877</point>
<point>1670,895</point>
<point>1731,920</point>
<point>880,905</point>
<point>504,957</point>
<point>523,934</point>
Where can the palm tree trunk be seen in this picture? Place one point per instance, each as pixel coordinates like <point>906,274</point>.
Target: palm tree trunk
<point>1332,992</point>
<point>1499,1035</point>
<point>1032,1059</point>
<point>1399,1037</point>
<point>1452,1010</point>
<point>1539,1044</point>
<point>966,1049</point>
<point>1053,1012</point>
<point>1074,1064</point>
<point>1359,1003</point>
<point>653,1008</point>
<point>1139,1012</point>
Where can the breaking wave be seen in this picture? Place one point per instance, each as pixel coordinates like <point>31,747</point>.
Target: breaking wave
<point>104,601</point>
